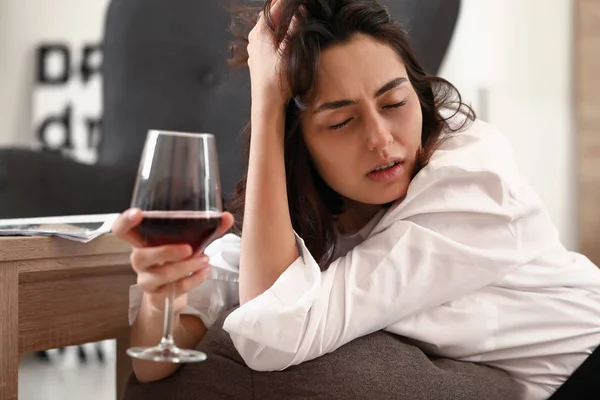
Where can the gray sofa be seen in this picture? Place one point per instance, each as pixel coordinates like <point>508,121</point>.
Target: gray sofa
<point>375,367</point>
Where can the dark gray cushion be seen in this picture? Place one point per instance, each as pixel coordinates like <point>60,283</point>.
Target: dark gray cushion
<point>378,366</point>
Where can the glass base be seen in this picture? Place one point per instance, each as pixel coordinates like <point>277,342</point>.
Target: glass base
<point>162,353</point>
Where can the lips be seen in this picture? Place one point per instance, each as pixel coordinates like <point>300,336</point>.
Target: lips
<point>386,164</point>
<point>387,174</point>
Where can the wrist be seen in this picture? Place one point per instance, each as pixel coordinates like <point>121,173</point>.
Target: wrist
<point>151,311</point>
<point>269,100</point>
<point>268,119</point>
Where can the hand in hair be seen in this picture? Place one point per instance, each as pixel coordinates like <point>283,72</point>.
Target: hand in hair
<point>265,55</point>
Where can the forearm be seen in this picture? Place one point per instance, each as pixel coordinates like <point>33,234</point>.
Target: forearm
<point>147,331</point>
<point>268,242</point>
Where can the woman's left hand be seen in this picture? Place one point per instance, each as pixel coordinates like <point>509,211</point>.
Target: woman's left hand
<point>265,59</point>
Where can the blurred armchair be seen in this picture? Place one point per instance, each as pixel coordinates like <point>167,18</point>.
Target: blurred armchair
<point>165,67</point>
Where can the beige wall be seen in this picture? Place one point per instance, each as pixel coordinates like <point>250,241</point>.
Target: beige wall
<point>519,55</point>
<point>587,106</point>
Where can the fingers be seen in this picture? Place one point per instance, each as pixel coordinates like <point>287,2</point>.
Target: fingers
<point>291,29</point>
<point>145,258</point>
<point>153,280</point>
<point>124,225</point>
<point>128,220</point>
<point>275,10</point>
<point>158,266</point>
<point>294,22</point>
<point>188,283</point>
<point>226,224</point>
<point>259,29</point>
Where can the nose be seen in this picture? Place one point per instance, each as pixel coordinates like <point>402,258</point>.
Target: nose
<point>379,135</point>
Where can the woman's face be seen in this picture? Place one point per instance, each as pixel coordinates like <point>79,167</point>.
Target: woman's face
<point>363,126</point>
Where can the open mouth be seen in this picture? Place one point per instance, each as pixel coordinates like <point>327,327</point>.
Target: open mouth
<point>385,167</point>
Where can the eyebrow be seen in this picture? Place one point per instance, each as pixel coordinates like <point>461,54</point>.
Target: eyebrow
<point>334,105</point>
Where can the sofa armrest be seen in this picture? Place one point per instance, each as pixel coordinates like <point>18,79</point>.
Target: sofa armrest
<point>34,184</point>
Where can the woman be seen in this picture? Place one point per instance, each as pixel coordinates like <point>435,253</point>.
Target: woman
<point>373,200</point>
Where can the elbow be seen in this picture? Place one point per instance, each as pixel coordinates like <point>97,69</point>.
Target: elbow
<point>260,357</point>
<point>251,287</point>
<point>261,364</point>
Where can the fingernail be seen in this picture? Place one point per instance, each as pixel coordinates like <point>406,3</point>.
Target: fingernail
<point>132,214</point>
<point>204,257</point>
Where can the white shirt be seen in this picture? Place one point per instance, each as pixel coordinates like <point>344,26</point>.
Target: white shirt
<point>468,265</point>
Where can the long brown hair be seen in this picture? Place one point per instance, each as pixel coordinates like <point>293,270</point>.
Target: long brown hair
<point>313,205</point>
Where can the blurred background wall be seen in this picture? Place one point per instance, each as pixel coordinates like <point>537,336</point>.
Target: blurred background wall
<point>511,58</point>
<point>25,25</point>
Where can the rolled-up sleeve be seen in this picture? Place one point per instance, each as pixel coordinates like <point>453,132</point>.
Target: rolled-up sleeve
<point>214,296</point>
<point>410,263</point>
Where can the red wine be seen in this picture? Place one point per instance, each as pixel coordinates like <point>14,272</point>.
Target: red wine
<point>196,228</point>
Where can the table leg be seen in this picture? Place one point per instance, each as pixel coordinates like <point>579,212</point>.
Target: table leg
<point>124,365</point>
<point>9,330</point>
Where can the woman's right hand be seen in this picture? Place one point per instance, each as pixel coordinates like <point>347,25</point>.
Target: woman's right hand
<point>156,267</point>
<point>265,58</point>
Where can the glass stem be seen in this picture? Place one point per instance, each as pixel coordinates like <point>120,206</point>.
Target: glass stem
<point>167,339</point>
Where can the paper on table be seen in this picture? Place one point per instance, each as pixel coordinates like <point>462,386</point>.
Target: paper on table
<point>80,228</point>
<point>84,228</point>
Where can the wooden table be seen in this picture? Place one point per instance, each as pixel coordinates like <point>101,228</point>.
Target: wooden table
<point>56,293</point>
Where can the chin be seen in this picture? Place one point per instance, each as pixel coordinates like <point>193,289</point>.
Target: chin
<point>392,197</point>
<point>368,195</point>
<point>380,197</point>
<point>383,199</point>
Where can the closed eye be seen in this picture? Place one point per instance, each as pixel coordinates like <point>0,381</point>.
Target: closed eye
<point>341,124</point>
<point>396,105</point>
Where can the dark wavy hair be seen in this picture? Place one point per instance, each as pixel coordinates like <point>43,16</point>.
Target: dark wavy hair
<point>313,205</point>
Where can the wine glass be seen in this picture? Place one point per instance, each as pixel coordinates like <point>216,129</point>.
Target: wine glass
<point>178,190</point>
